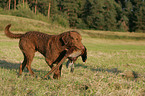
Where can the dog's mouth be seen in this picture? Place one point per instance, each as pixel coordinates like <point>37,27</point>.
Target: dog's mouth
<point>75,53</point>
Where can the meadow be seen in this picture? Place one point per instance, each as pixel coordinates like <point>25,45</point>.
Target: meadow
<point>115,64</point>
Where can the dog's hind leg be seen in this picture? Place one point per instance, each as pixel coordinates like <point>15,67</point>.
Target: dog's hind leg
<point>22,66</point>
<point>28,49</point>
<point>28,57</point>
<point>29,61</point>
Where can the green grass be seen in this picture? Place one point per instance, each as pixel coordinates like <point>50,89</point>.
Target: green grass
<point>115,35</point>
<point>24,24</point>
<point>115,67</point>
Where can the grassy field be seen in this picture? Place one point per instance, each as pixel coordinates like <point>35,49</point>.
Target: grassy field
<point>115,66</point>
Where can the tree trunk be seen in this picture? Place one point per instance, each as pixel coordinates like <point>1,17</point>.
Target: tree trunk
<point>49,10</point>
<point>15,4</point>
<point>9,4</point>
<point>23,3</point>
<point>26,3</point>
<point>35,6</point>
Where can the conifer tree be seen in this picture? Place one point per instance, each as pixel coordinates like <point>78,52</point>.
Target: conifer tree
<point>54,7</point>
<point>139,16</point>
<point>71,8</point>
<point>101,14</point>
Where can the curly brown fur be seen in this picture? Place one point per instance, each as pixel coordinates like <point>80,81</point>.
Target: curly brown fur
<point>55,48</point>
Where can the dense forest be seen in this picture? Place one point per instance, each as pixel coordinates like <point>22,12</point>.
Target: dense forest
<point>112,15</point>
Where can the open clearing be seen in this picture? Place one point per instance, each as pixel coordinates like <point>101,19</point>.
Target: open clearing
<point>115,67</point>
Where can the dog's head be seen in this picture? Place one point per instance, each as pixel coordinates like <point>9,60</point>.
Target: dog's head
<point>84,54</point>
<point>72,39</point>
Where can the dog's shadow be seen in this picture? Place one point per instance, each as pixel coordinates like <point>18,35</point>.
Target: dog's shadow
<point>9,65</point>
<point>112,70</point>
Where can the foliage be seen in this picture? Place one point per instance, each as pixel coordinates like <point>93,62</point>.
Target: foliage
<point>139,15</point>
<point>24,11</point>
<point>102,15</point>
<point>134,11</point>
<point>113,15</point>
<point>59,19</point>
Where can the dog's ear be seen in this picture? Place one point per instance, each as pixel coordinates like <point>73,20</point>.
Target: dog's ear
<point>84,55</point>
<point>64,39</point>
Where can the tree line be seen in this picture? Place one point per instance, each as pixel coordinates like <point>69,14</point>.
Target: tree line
<point>109,15</point>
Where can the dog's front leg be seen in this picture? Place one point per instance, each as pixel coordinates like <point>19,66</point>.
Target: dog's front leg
<point>66,54</point>
<point>57,73</point>
<point>57,66</point>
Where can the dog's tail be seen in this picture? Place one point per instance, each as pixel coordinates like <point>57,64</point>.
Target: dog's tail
<point>10,34</point>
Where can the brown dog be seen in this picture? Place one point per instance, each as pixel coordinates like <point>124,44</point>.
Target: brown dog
<point>55,48</point>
